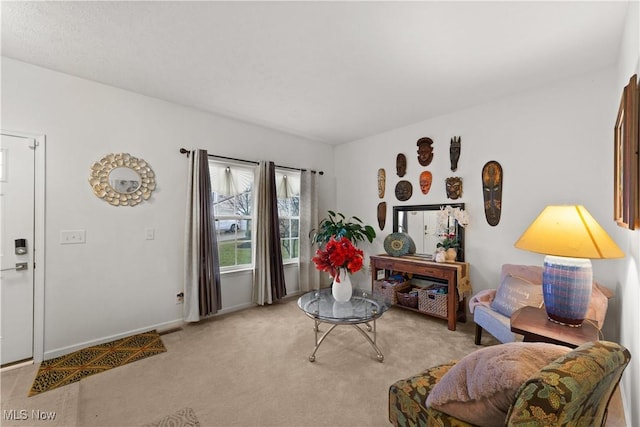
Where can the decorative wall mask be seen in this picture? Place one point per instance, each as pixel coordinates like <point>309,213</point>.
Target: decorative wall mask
<point>454,187</point>
<point>382,215</point>
<point>454,152</point>
<point>404,189</point>
<point>425,151</point>
<point>426,178</point>
<point>122,179</point>
<point>401,165</point>
<point>382,179</point>
<point>492,191</point>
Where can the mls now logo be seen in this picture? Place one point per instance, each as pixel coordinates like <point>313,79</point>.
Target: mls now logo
<point>23,415</point>
<point>15,414</point>
<point>37,414</point>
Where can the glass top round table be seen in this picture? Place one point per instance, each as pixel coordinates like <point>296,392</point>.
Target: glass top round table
<point>363,307</point>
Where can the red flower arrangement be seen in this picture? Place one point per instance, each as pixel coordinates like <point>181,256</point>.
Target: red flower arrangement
<point>338,253</point>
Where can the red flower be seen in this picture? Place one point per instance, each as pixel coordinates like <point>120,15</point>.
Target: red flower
<point>338,253</point>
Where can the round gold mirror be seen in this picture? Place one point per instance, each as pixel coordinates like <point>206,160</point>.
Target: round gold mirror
<point>122,179</point>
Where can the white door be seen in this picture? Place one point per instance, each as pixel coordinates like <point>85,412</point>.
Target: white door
<point>17,216</point>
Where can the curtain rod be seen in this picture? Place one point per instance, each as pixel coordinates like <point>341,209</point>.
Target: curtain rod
<point>185,151</point>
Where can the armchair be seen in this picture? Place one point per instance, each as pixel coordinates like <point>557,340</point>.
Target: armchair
<point>521,285</point>
<point>573,389</point>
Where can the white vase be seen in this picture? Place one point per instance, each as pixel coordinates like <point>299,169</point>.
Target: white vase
<point>341,290</point>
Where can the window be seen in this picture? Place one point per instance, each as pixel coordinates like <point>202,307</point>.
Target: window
<point>288,190</point>
<point>232,186</point>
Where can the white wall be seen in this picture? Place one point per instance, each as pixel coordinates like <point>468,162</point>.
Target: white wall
<point>628,276</point>
<point>555,147</point>
<point>118,282</point>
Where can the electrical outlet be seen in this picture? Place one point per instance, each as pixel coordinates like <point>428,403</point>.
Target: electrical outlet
<point>149,233</point>
<point>180,298</point>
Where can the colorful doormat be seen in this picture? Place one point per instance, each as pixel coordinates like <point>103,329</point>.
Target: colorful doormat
<point>73,367</point>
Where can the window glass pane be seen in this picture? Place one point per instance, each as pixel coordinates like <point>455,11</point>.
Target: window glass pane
<point>288,190</point>
<point>290,248</point>
<point>285,228</point>
<point>232,187</point>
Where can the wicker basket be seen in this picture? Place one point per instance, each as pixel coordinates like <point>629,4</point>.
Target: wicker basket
<point>432,302</point>
<point>407,297</point>
<point>387,290</point>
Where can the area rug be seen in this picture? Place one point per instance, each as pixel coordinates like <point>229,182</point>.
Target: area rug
<point>185,417</point>
<point>80,364</point>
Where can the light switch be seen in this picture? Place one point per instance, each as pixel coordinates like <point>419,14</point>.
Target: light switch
<point>150,233</point>
<point>70,237</point>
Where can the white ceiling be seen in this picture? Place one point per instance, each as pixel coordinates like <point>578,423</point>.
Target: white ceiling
<point>329,71</point>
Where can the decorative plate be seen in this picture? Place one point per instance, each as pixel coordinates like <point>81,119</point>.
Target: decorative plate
<point>398,244</point>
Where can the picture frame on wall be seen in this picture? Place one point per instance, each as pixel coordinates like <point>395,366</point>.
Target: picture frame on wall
<point>626,203</point>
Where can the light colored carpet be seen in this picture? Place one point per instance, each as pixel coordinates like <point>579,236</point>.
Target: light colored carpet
<point>251,368</point>
<point>185,417</point>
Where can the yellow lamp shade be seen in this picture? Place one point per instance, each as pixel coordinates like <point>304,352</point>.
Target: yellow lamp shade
<point>568,231</point>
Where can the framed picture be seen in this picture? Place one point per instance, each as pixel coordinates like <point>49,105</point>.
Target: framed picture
<point>626,202</point>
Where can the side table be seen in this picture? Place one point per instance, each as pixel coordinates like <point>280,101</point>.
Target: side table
<point>362,308</point>
<point>533,324</point>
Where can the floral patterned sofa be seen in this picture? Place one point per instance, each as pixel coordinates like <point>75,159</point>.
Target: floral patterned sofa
<point>573,389</point>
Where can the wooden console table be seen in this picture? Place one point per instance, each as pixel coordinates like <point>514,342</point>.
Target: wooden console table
<point>429,269</point>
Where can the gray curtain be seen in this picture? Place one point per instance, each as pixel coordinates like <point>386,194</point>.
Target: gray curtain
<point>202,268</point>
<point>308,276</point>
<point>268,285</point>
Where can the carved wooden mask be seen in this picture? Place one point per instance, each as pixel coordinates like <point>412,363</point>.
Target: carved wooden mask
<point>425,151</point>
<point>382,214</point>
<point>454,153</point>
<point>454,187</point>
<point>492,191</point>
<point>404,189</point>
<point>382,179</point>
<point>425,181</point>
<point>401,165</point>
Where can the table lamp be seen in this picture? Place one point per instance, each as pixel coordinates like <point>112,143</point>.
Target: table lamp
<point>569,237</point>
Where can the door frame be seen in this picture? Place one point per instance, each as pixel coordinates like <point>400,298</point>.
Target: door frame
<point>39,239</point>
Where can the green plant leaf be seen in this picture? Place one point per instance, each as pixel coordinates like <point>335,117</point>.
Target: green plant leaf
<point>352,229</point>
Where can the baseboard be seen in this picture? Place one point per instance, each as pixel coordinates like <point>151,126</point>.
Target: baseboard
<point>160,327</point>
<point>17,365</point>
<point>626,409</point>
<point>234,308</point>
<point>291,294</point>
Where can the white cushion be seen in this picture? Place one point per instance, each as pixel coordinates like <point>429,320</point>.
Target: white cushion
<point>516,292</point>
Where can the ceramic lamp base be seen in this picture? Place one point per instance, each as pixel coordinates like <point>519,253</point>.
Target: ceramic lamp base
<point>566,288</point>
